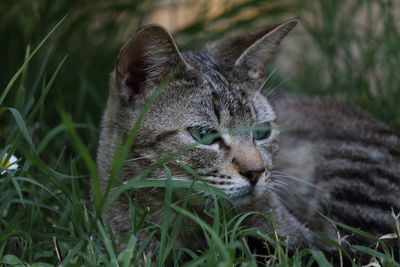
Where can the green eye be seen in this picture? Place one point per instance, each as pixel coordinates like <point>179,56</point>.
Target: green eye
<point>203,135</point>
<point>261,131</point>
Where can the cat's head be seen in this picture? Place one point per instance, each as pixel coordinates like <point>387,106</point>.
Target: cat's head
<point>213,99</point>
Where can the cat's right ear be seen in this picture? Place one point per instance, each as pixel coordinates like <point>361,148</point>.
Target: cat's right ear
<point>145,59</point>
<point>251,51</point>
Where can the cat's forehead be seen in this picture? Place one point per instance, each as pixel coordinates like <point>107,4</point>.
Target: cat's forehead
<point>234,102</point>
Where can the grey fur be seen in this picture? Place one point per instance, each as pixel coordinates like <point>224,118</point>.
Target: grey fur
<point>331,148</point>
<point>352,158</point>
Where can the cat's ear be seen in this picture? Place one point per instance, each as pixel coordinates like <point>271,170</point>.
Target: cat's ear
<point>148,57</point>
<point>253,50</point>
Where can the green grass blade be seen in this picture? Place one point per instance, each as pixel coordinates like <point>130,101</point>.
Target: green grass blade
<point>82,149</point>
<point>34,182</point>
<point>352,229</point>
<point>21,125</point>
<point>166,218</point>
<point>71,254</point>
<point>127,255</point>
<point>320,258</point>
<point>46,90</point>
<point>11,260</point>
<point>49,136</point>
<point>6,232</point>
<point>138,183</point>
<point>18,189</point>
<point>214,235</point>
<point>373,252</point>
<point>108,244</point>
<point>21,69</point>
<point>239,220</point>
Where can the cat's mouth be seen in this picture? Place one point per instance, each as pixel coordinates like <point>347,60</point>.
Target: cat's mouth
<point>243,197</point>
<point>242,193</point>
<point>247,192</point>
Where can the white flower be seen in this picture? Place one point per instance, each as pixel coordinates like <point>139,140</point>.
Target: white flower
<point>10,164</point>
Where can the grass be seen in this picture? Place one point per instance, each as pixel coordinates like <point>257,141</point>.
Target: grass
<point>55,66</point>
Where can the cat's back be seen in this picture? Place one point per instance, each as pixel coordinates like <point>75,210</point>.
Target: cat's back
<point>350,161</point>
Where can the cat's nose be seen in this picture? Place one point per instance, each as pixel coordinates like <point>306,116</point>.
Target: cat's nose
<point>253,175</point>
<point>249,164</point>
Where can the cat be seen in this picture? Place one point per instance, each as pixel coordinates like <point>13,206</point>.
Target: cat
<point>331,159</point>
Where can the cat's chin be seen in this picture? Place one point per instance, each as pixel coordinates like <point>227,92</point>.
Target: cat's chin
<point>242,200</point>
<point>245,198</point>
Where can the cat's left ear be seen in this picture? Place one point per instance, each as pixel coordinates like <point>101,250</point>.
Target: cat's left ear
<point>147,58</point>
<point>252,51</point>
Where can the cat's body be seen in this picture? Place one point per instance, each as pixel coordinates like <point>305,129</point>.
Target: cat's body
<point>350,160</point>
<point>216,90</point>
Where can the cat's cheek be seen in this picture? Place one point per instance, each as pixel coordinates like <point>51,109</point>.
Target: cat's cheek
<point>267,151</point>
<point>201,160</point>
<point>267,158</point>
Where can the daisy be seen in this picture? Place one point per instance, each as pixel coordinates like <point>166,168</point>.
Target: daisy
<point>10,164</point>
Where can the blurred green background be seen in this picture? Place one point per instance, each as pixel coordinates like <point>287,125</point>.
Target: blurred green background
<point>346,49</point>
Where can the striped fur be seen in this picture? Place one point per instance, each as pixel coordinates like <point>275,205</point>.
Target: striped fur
<point>355,163</point>
<point>332,159</point>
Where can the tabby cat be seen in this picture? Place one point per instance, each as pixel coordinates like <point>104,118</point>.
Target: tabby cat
<point>331,159</point>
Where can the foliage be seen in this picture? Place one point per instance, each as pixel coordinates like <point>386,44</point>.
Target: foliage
<point>54,87</point>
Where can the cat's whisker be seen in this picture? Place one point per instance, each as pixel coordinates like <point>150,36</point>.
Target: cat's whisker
<point>265,81</point>
<point>279,174</point>
<point>297,180</point>
<point>278,181</point>
<point>282,185</point>
<point>286,193</point>
<point>271,91</point>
